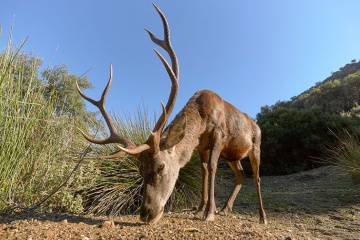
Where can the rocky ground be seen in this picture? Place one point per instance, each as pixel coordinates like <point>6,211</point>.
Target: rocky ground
<point>318,204</point>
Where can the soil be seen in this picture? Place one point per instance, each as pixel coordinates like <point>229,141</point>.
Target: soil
<point>318,204</point>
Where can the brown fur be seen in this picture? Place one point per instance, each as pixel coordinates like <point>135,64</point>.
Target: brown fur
<point>218,131</point>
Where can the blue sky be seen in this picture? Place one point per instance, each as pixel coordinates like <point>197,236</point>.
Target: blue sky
<point>252,53</point>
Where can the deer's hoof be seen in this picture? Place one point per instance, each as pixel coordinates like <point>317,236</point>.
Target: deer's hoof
<point>262,217</point>
<point>199,213</point>
<point>210,217</point>
<point>224,211</point>
<point>263,221</point>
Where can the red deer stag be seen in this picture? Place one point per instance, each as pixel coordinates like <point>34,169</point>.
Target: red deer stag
<point>207,123</point>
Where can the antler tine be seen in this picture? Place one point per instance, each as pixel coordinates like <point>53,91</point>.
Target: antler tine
<point>173,73</point>
<point>166,44</point>
<point>100,104</point>
<point>129,146</point>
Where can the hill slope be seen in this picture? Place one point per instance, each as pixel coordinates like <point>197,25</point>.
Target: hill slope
<point>296,132</point>
<point>338,93</point>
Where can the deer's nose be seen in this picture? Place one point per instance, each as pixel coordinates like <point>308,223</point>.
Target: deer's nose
<point>145,215</point>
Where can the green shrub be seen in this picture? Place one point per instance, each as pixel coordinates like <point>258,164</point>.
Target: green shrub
<point>39,147</point>
<point>293,138</point>
<point>345,154</point>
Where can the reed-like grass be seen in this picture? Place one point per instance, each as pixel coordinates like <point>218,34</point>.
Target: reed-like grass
<point>345,154</point>
<point>119,189</point>
<point>38,147</point>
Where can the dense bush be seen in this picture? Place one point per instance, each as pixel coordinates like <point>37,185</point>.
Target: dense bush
<point>293,138</point>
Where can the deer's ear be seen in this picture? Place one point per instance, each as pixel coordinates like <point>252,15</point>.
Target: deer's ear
<point>176,132</point>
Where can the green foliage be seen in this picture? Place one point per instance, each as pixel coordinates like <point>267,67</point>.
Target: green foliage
<point>117,189</point>
<point>291,138</point>
<point>345,153</point>
<point>296,132</point>
<point>119,186</point>
<point>333,96</point>
<point>39,146</point>
<point>60,84</point>
<point>39,116</point>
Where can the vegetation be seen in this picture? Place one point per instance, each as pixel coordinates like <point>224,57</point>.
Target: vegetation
<point>332,96</point>
<point>118,188</point>
<point>296,132</point>
<point>39,143</point>
<point>293,138</point>
<point>40,112</point>
<point>345,154</point>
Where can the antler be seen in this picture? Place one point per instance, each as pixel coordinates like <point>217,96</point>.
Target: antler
<point>129,146</point>
<point>153,142</point>
<point>173,72</point>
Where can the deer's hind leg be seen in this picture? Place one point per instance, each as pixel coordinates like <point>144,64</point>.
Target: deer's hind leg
<point>240,178</point>
<point>255,165</point>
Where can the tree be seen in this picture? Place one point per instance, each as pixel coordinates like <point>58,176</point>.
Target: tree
<point>55,82</point>
<point>23,71</point>
<point>60,83</point>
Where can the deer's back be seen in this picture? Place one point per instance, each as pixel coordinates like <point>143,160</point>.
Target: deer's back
<point>211,113</point>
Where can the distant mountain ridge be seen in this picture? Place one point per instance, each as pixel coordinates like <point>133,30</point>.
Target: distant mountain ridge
<point>344,71</point>
<point>338,93</point>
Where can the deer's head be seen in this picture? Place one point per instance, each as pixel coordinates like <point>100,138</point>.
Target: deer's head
<point>157,156</point>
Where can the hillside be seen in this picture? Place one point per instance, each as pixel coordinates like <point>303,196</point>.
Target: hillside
<point>295,133</point>
<point>337,93</point>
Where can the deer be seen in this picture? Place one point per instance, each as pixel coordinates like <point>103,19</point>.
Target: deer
<point>207,123</point>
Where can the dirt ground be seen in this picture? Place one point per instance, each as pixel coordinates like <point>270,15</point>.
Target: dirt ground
<point>318,204</point>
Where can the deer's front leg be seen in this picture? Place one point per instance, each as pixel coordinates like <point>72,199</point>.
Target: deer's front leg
<point>204,157</point>
<point>215,150</point>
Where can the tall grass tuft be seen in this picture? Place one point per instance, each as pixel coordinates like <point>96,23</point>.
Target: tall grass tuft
<point>38,147</point>
<point>118,190</point>
<point>345,154</point>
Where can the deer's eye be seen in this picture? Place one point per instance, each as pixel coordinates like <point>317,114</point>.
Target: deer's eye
<point>161,167</point>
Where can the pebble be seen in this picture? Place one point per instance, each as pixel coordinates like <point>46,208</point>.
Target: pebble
<point>108,224</point>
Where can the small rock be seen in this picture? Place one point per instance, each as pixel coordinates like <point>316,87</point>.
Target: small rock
<point>108,224</point>
<point>48,234</point>
<point>191,230</point>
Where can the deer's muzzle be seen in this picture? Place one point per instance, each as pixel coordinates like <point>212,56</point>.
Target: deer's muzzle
<point>151,216</point>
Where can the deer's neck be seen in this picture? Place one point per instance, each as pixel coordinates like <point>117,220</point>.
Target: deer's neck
<point>184,149</point>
